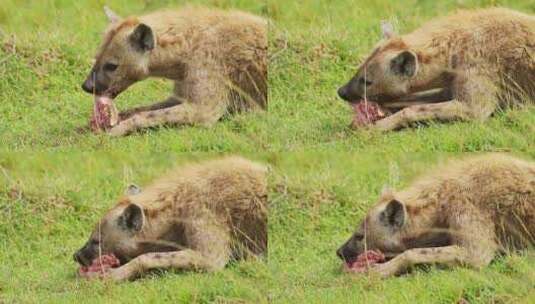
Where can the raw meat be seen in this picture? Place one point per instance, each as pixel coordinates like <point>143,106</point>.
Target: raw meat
<point>366,112</point>
<point>99,265</point>
<point>105,114</point>
<point>364,261</point>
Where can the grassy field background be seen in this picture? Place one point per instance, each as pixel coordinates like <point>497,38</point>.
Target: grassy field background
<point>55,182</point>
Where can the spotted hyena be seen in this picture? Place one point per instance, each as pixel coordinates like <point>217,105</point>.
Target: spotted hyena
<point>460,67</point>
<point>199,217</point>
<point>463,214</point>
<point>217,60</point>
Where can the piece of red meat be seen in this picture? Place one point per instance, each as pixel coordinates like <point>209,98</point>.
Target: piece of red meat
<point>104,114</point>
<point>99,265</point>
<point>364,261</point>
<point>366,112</point>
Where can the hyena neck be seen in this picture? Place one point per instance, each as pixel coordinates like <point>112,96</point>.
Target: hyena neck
<point>157,220</point>
<point>167,63</point>
<point>432,76</point>
<point>174,49</point>
<point>425,216</point>
<point>170,236</point>
<point>427,227</point>
<point>433,65</point>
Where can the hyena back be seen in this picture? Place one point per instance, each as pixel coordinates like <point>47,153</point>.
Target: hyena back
<point>199,217</point>
<point>465,213</point>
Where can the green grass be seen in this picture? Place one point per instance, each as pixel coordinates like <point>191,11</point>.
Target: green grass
<point>55,182</point>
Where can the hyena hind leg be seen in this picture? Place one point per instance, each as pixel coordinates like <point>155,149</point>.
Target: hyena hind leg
<point>453,255</point>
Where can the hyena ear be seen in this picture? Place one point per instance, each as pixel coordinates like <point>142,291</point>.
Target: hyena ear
<point>142,39</point>
<point>394,214</point>
<point>133,189</point>
<point>131,219</point>
<point>112,16</point>
<point>405,64</point>
<point>387,29</point>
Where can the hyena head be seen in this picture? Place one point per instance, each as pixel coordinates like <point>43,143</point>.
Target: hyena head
<point>117,233</point>
<point>386,74</point>
<point>383,229</point>
<point>123,58</point>
<point>122,232</point>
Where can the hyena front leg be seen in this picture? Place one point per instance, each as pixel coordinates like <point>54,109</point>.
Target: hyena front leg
<point>443,111</point>
<point>205,103</point>
<point>432,96</point>
<point>448,255</point>
<point>475,98</point>
<point>167,103</point>
<point>210,250</point>
<point>187,259</point>
<point>183,114</point>
<point>469,249</point>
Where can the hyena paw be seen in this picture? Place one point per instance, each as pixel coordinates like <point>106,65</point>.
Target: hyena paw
<point>116,274</point>
<point>112,274</point>
<point>383,125</point>
<point>385,270</point>
<point>118,130</point>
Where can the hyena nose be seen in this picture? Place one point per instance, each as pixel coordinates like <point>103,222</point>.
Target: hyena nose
<point>342,92</point>
<point>75,257</point>
<point>78,258</point>
<point>88,85</point>
<point>340,253</point>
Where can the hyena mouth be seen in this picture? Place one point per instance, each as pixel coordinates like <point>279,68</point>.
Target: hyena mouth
<point>366,112</point>
<point>364,261</point>
<point>99,265</point>
<point>105,113</point>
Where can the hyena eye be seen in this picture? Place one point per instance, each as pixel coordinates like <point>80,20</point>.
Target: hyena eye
<point>358,237</point>
<point>110,67</point>
<point>363,81</point>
